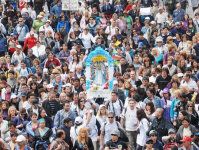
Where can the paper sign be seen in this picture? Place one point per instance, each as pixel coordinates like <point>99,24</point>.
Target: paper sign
<point>145,11</point>
<point>169,103</point>
<point>70,5</point>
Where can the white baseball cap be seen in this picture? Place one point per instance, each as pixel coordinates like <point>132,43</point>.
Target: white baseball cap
<point>21,138</point>
<point>18,46</point>
<point>115,82</point>
<point>180,74</point>
<point>13,96</point>
<point>78,120</point>
<point>50,86</point>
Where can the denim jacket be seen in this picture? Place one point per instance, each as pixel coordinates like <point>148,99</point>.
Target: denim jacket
<point>175,15</point>
<point>58,121</point>
<point>157,102</point>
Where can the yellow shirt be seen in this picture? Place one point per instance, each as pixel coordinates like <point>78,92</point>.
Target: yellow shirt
<point>16,74</point>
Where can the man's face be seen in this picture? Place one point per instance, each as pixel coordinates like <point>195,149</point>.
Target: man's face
<point>12,129</point>
<point>63,96</point>
<point>58,79</point>
<point>133,75</point>
<point>23,65</point>
<point>114,23</point>
<point>68,89</point>
<point>145,82</point>
<point>20,144</point>
<point>91,20</point>
<point>164,73</point>
<point>140,37</point>
<point>111,118</point>
<point>113,97</point>
<point>154,138</point>
<point>11,75</point>
<point>52,97</point>
<point>115,86</point>
<point>157,113</point>
<point>122,61</point>
<point>76,83</point>
<point>69,124</point>
<point>153,73</point>
<point>78,69</point>
<point>31,98</point>
<point>67,107</point>
<point>178,7</point>
<point>187,144</point>
<point>132,104</point>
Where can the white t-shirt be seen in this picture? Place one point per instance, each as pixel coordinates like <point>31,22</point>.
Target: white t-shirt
<point>130,117</point>
<point>112,31</point>
<point>86,39</point>
<point>39,51</point>
<point>108,128</point>
<point>115,107</point>
<point>75,131</point>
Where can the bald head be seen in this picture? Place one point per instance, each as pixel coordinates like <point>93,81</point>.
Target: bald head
<point>178,6</point>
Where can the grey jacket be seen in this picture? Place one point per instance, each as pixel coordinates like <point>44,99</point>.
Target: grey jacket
<point>180,131</point>
<point>8,136</point>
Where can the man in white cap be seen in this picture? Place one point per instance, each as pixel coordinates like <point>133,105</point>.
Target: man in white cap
<point>47,28</point>
<point>50,87</point>
<point>21,143</point>
<point>21,30</point>
<point>38,23</point>
<point>18,54</point>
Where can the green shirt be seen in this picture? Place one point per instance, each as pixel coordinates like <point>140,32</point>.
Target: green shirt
<point>129,20</point>
<point>37,24</point>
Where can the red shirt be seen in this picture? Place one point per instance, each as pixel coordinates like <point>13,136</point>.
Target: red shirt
<point>31,42</point>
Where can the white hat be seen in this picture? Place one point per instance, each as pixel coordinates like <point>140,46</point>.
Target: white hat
<point>63,86</point>
<point>48,21</point>
<point>18,46</point>
<point>50,86</point>
<point>102,105</point>
<point>180,74</point>
<point>69,85</point>
<point>115,82</point>
<point>73,50</point>
<point>13,96</point>
<point>21,138</point>
<point>45,71</point>
<point>147,18</point>
<point>153,22</point>
<point>39,16</point>
<point>159,39</point>
<point>91,111</point>
<point>78,120</point>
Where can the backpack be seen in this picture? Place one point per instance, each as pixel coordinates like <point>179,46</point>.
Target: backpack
<point>92,29</point>
<point>62,29</point>
<point>168,146</point>
<point>123,135</point>
<point>114,107</point>
<point>26,69</point>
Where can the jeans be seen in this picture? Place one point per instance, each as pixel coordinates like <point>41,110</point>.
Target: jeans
<point>132,136</point>
<point>139,147</point>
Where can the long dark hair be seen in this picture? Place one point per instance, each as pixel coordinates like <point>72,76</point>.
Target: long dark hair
<point>151,105</point>
<point>77,58</point>
<point>36,90</point>
<point>63,65</point>
<point>141,114</point>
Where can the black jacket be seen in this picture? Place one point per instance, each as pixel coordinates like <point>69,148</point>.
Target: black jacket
<point>121,95</point>
<point>38,137</point>
<point>46,106</point>
<point>30,111</point>
<point>67,138</point>
<point>161,126</point>
<point>89,144</point>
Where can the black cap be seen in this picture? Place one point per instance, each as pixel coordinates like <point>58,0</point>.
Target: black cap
<point>35,101</point>
<point>152,132</point>
<point>183,95</point>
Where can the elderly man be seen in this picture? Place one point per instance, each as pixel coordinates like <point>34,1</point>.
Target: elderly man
<point>21,143</point>
<point>160,124</point>
<point>78,71</point>
<point>178,13</point>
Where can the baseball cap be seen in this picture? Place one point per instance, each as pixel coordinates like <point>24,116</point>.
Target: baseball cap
<point>171,131</point>
<point>39,16</point>
<point>78,120</point>
<point>45,71</point>
<point>49,86</point>
<point>48,21</point>
<point>12,34</point>
<point>159,39</point>
<point>140,44</point>
<point>115,82</point>
<point>178,23</point>
<point>69,85</point>
<point>18,46</point>
<point>147,18</point>
<point>115,132</point>
<point>20,19</point>
<point>21,138</point>
<point>31,32</point>
<point>186,139</point>
<point>152,132</point>
<point>180,75</point>
<point>165,91</point>
<point>30,51</point>
<point>153,22</point>
<point>101,106</point>
<point>23,93</point>
<point>13,96</point>
<point>148,139</point>
<point>160,8</point>
<point>35,101</point>
<point>23,15</point>
<point>183,95</point>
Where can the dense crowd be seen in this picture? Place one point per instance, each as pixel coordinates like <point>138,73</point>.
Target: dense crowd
<point>154,45</point>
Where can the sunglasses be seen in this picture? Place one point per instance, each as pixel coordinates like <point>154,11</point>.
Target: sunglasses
<point>23,114</point>
<point>81,101</point>
<point>113,135</point>
<point>149,142</point>
<point>171,133</point>
<point>189,106</point>
<point>110,117</point>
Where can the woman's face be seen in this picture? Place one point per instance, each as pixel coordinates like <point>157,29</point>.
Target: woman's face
<point>33,86</point>
<point>4,106</point>
<point>154,52</point>
<point>186,17</point>
<point>177,36</point>
<point>42,124</point>
<point>174,84</point>
<point>43,113</point>
<point>34,118</point>
<point>63,18</point>
<point>84,86</point>
<point>147,63</point>
<point>65,68</point>
<point>102,110</point>
<point>166,95</point>
<point>83,134</point>
<point>73,35</point>
<point>179,70</point>
<point>148,108</point>
<point>8,89</point>
<point>45,84</point>
<point>195,64</point>
<point>182,63</point>
<point>75,58</point>
<point>127,85</point>
<point>12,112</point>
<point>56,36</point>
<point>180,115</point>
<point>50,56</point>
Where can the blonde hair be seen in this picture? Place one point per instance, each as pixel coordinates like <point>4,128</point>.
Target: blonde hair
<point>86,11</point>
<point>185,86</point>
<point>157,51</point>
<point>79,138</point>
<point>99,113</point>
<point>177,92</point>
<point>131,86</point>
<point>10,109</point>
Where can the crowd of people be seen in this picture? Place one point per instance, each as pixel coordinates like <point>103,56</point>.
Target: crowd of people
<point>43,95</point>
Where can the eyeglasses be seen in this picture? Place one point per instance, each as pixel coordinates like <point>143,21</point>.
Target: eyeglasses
<point>82,101</point>
<point>149,142</point>
<point>110,117</point>
<point>113,135</point>
<point>189,106</point>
